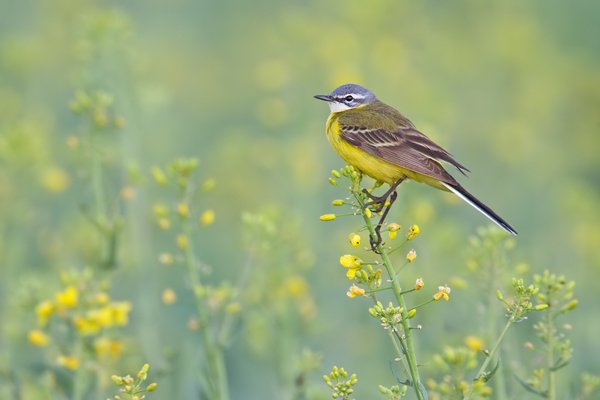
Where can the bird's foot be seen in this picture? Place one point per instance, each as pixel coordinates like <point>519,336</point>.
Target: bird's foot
<point>380,201</point>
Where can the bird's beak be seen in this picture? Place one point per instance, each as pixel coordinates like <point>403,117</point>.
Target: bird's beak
<point>325,97</point>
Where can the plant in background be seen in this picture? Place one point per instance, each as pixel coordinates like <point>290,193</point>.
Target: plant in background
<point>79,329</point>
<point>339,382</point>
<point>557,299</point>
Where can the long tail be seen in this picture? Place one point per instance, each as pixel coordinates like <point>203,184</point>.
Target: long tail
<point>485,210</point>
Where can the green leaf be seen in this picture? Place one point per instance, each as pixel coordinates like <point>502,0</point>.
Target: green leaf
<point>489,376</point>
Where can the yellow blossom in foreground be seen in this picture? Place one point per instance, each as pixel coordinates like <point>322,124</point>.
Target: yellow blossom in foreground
<point>67,297</point>
<point>353,264</point>
<point>164,223</point>
<point>43,311</point>
<point>355,291</point>
<point>355,239</point>
<point>207,217</point>
<point>169,296</point>
<point>327,217</point>
<point>474,343</point>
<point>70,362</point>
<point>38,338</point>
<point>411,256</point>
<point>182,241</point>
<point>393,234</point>
<point>419,284</point>
<point>412,232</point>
<point>443,291</point>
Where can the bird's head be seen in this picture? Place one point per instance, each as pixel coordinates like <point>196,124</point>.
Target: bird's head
<point>347,97</point>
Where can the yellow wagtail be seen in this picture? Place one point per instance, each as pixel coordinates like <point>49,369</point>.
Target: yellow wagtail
<point>384,144</point>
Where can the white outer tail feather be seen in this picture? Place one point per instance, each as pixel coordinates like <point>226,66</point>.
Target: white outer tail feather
<point>459,194</point>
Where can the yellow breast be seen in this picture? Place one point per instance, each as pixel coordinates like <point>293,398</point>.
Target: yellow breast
<point>372,166</point>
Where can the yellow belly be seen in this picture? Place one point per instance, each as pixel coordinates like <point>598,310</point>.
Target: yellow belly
<point>372,166</point>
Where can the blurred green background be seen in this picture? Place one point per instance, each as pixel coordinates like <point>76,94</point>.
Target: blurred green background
<point>511,89</point>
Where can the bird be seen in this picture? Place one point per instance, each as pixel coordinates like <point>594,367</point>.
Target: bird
<point>385,145</point>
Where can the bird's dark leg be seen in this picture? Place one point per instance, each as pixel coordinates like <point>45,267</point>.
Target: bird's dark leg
<point>380,201</point>
<point>375,243</point>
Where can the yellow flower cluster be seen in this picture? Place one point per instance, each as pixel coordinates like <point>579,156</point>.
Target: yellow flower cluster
<point>106,347</point>
<point>113,314</point>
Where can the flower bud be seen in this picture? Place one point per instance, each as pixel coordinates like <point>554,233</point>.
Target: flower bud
<point>569,306</point>
<point>338,202</point>
<point>336,174</point>
<point>383,389</point>
<point>373,312</point>
<point>332,181</point>
<point>499,295</point>
<point>151,387</point>
<point>540,307</point>
<point>411,313</point>
<point>117,379</point>
<point>368,213</point>
<point>570,286</point>
<point>327,217</point>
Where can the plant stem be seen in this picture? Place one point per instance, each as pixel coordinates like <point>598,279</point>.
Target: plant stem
<point>217,375</point>
<point>489,357</point>
<point>550,321</point>
<point>409,350</point>
<point>79,378</point>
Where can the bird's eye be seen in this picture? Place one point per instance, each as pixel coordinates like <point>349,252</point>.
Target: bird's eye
<point>349,98</point>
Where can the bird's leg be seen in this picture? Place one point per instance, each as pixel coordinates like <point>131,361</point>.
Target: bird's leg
<point>380,201</point>
<point>375,243</point>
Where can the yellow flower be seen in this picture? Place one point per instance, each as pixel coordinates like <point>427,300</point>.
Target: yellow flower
<point>165,258</point>
<point>86,327</point>
<point>164,223</point>
<point>169,296</point>
<point>412,232</point>
<point>368,213</point>
<point>183,210</point>
<point>443,291</point>
<point>411,256</point>
<point>296,286</point>
<point>353,264</point>
<point>70,362</point>
<point>355,291</point>
<point>393,227</point>
<point>233,308</point>
<point>327,217</point>
<point>393,234</point>
<point>127,193</point>
<point>355,239</point>
<point>43,311</point>
<point>38,338</point>
<point>103,317</point>
<point>72,142</point>
<point>474,343</point>
<point>67,297</point>
<point>121,312</point>
<point>207,217</point>
<point>182,241</point>
<point>159,176</point>
<point>55,179</point>
<point>419,284</point>
<point>102,298</point>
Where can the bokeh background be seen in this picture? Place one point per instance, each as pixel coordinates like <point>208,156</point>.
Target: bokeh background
<point>511,89</point>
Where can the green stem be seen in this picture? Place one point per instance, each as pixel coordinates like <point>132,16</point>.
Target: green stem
<point>214,355</point>
<point>79,378</point>
<point>409,350</point>
<point>550,322</point>
<point>378,290</point>
<point>423,304</point>
<point>397,247</point>
<point>489,357</point>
